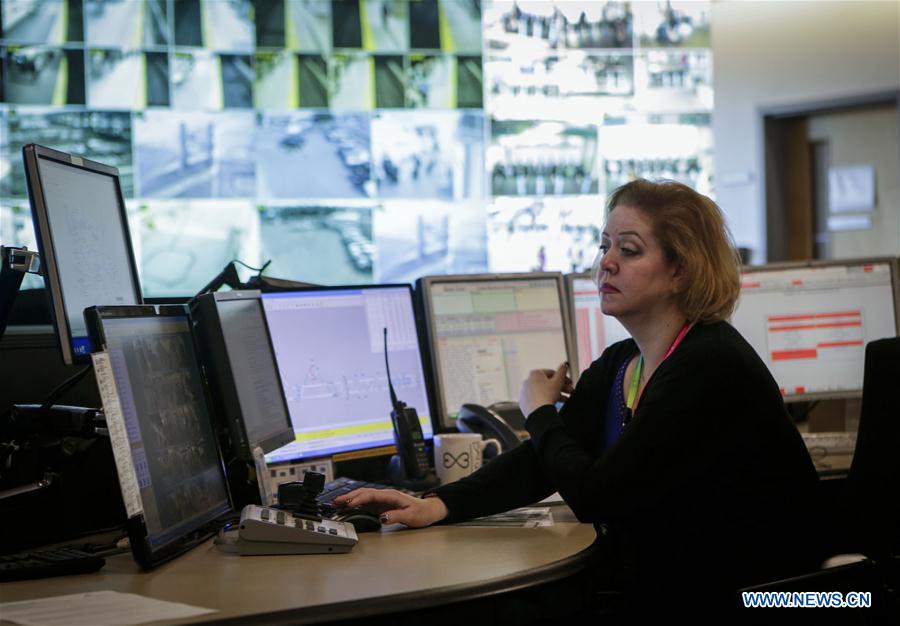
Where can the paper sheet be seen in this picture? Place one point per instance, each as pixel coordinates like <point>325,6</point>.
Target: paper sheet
<point>525,517</point>
<point>553,498</point>
<point>851,188</point>
<point>98,608</point>
<point>266,496</point>
<point>118,436</point>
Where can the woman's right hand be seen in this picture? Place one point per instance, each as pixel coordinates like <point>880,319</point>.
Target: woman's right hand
<point>395,507</point>
<point>545,387</point>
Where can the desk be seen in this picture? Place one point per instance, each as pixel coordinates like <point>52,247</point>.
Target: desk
<point>392,571</point>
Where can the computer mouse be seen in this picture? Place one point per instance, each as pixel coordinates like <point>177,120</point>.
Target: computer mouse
<point>363,521</point>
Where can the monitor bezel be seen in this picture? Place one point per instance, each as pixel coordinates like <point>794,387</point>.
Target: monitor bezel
<point>142,550</point>
<point>217,363</point>
<point>424,288</point>
<point>422,351</point>
<point>32,154</point>
<point>894,265</point>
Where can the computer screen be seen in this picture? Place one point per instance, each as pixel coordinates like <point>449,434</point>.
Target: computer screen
<point>329,345</point>
<point>246,387</point>
<point>810,322</point>
<point>593,330</point>
<point>487,332</point>
<point>173,447</point>
<point>82,235</point>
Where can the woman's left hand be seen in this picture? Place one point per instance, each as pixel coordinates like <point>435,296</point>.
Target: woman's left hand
<point>544,387</point>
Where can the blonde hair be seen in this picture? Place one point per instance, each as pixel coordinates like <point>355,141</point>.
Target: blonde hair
<point>692,232</point>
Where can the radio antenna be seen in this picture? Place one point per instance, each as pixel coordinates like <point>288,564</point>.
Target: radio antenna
<point>394,402</point>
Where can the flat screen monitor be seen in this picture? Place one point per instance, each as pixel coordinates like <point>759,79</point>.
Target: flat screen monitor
<point>245,385</point>
<point>486,332</point>
<point>82,236</point>
<point>174,457</point>
<point>594,331</point>
<point>329,345</point>
<point>810,322</point>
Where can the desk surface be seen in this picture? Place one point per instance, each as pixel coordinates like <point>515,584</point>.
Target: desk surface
<point>834,466</point>
<point>394,570</point>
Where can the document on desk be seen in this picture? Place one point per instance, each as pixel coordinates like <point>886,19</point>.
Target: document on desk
<point>552,499</point>
<point>97,608</point>
<point>525,517</point>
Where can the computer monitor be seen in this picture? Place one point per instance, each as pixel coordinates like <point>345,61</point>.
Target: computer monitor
<point>245,385</point>
<point>172,478</point>
<point>810,322</point>
<point>594,331</point>
<point>486,332</point>
<point>82,236</point>
<point>329,345</point>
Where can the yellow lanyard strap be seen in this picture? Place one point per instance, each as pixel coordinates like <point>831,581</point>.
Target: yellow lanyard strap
<point>636,375</point>
<point>635,381</point>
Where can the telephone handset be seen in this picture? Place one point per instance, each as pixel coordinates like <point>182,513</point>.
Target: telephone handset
<point>501,420</point>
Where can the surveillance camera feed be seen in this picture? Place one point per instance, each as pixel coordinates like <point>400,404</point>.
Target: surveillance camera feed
<point>351,141</point>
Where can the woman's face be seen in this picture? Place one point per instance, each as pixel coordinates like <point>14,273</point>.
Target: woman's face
<point>631,271</point>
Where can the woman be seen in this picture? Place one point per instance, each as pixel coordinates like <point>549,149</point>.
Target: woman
<point>675,444</point>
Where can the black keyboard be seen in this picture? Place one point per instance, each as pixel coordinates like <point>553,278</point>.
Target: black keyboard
<point>340,486</point>
<point>48,562</point>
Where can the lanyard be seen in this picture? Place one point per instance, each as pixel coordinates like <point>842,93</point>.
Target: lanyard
<point>636,375</point>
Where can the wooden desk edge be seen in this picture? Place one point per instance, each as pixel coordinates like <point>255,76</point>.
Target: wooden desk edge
<point>411,601</point>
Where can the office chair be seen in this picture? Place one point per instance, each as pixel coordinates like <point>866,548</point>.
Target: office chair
<point>872,491</point>
<point>869,516</point>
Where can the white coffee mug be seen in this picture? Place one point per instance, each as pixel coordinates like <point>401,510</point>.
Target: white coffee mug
<point>457,455</point>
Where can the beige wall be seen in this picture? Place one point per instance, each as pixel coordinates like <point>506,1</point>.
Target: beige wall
<point>785,53</point>
<point>865,136</point>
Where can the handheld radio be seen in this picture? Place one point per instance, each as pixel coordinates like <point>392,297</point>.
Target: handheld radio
<point>408,435</point>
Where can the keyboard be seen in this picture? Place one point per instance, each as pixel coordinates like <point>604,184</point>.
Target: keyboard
<point>830,443</point>
<point>48,562</point>
<point>340,486</point>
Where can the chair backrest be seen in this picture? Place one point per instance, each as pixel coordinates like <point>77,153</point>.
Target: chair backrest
<point>872,494</point>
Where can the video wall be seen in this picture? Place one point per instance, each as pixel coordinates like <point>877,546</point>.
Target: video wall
<point>355,141</point>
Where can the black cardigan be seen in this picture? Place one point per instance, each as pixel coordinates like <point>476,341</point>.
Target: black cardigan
<point>710,484</point>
